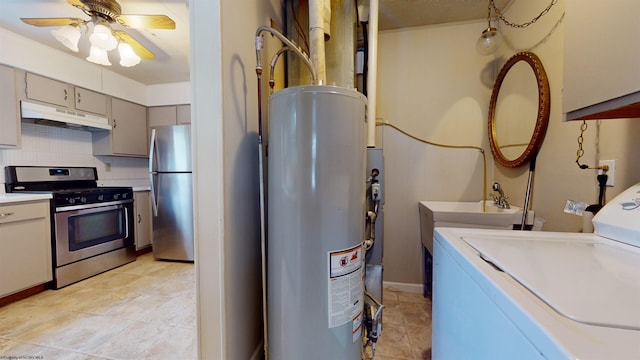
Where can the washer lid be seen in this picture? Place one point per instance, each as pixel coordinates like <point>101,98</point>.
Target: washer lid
<point>590,280</point>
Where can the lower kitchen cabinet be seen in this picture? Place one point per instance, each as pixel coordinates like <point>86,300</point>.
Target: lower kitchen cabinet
<point>25,246</point>
<point>142,210</point>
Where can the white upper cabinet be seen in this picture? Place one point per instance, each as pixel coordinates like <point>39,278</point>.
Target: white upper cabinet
<point>601,59</point>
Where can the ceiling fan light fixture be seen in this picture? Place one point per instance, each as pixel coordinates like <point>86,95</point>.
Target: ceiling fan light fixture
<point>68,35</point>
<point>128,57</point>
<point>98,56</point>
<point>102,37</point>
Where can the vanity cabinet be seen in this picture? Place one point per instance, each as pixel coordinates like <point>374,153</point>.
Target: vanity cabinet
<point>601,57</point>
<point>9,111</point>
<point>25,246</point>
<point>169,115</point>
<point>142,210</point>
<point>129,134</point>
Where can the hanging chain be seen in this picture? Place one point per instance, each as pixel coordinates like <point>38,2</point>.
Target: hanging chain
<point>523,25</point>
<point>580,151</point>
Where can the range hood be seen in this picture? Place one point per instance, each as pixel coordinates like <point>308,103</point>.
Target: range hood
<point>52,116</point>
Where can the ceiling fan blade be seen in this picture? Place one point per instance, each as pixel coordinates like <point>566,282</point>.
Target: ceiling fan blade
<point>146,21</point>
<point>138,48</point>
<point>78,4</point>
<point>51,21</point>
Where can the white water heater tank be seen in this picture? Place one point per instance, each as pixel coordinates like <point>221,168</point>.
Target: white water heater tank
<point>316,212</point>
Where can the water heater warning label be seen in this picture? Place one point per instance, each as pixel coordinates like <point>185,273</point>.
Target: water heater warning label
<point>346,286</point>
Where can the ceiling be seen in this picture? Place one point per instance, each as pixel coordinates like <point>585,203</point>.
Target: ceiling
<point>171,47</point>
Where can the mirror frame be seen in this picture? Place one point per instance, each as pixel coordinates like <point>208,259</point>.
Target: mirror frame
<point>542,118</point>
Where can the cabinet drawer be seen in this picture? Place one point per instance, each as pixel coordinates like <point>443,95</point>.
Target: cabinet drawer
<point>25,211</point>
<point>48,90</point>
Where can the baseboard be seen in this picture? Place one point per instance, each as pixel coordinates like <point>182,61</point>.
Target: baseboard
<point>258,353</point>
<point>405,287</point>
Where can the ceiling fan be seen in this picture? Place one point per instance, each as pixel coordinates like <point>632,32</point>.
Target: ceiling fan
<point>103,13</point>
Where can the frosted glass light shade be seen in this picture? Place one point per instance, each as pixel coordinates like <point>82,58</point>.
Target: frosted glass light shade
<point>127,56</point>
<point>103,38</point>
<point>98,56</point>
<point>489,41</point>
<point>69,36</point>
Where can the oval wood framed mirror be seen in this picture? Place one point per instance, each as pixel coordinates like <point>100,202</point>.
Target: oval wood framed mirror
<point>519,110</point>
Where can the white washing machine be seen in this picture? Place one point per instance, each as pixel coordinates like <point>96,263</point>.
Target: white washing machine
<point>500,294</point>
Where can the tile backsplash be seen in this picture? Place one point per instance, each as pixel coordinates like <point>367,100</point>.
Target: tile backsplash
<point>52,146</point>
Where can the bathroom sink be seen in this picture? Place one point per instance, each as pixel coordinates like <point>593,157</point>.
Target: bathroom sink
<point>467,215</point>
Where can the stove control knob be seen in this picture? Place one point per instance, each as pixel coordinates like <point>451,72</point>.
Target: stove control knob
<point>116,196</point>
<point>71,201</point>
<point>83,199</point>
<point>124,195</point>
<point>100,197</point>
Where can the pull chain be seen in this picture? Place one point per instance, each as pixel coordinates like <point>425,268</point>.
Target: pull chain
<point>580,151</point>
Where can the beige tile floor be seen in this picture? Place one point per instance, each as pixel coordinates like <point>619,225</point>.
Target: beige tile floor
<point>406,332</point>
<point>142,310</point>
<point>146,310</point>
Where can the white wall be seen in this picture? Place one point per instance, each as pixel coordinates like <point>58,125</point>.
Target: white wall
<point>434,85</point>
<point>557,177</point>
<point>431,85</point>
<point>226,176</point>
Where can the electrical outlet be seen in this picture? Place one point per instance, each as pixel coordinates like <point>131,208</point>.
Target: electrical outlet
<point>610,172</point>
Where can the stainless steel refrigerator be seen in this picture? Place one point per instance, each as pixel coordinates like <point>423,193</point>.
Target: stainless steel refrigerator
<point>171,192</point>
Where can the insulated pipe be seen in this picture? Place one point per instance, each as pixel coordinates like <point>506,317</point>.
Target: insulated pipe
<point>316,39</point>
<point>372,73</point>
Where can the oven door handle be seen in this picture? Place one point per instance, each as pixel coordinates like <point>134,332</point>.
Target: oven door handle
<point>126,222</point>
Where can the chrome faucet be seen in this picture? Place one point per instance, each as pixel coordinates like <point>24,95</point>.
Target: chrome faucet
<point>501,198</point>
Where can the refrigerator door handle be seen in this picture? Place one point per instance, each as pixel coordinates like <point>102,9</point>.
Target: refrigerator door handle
<point>152,151</point>
<point>154,198</point>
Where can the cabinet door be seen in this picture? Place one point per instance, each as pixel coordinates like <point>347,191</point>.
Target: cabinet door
<point>184,114</point>
<point>142,203</point>
<point>129,132</point>
<point>25,246</point>
<point>601,56</point>
<point>47,90</point>
<point>91,101</point>
<point>161,116</point>
<point>9,119</point>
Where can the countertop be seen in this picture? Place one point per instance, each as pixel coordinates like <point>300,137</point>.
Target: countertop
<point>136,184</point>
<point>14,198</point>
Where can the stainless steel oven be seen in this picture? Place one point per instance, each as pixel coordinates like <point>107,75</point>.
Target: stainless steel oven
<point>92,227</point>
<point>87,230</point>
